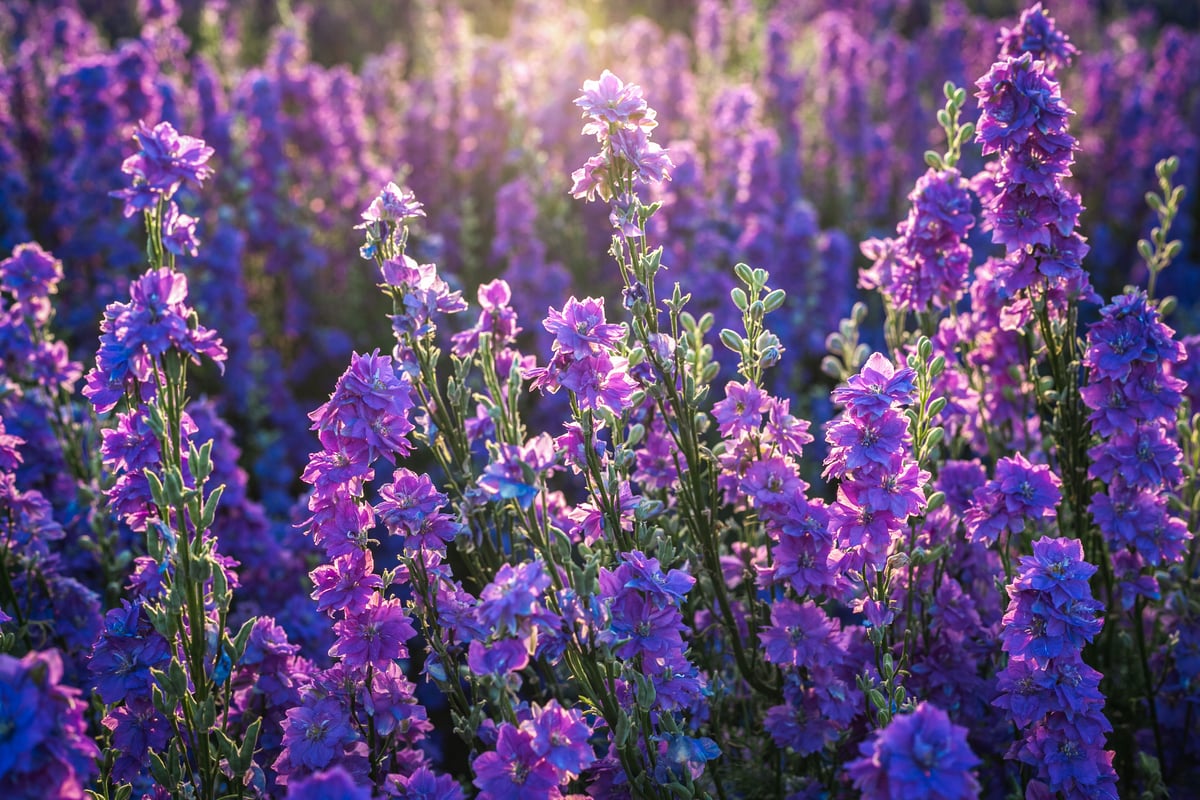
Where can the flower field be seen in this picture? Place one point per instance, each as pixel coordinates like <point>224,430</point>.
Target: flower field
<point>537,400</point>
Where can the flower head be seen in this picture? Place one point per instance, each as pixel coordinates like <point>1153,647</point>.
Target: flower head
<point>921,754</point>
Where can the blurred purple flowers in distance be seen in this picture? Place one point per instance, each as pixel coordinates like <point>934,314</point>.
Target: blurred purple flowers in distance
<point>593,552</point>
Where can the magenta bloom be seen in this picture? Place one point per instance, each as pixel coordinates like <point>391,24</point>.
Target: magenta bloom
<point>367,414</point>
<point>376,635</point>
<point>877,387</point>
<point>921,754</point>
<point>347,584</point>
<point>580,330</point>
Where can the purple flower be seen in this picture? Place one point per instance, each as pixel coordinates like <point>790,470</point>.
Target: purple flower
<point>32,275</point>
<point>331,784</point>
<point>742,409</point>
<point>513,597</point>
<point>347,584</point>
<point>1018,101</point>
<point>682,755</point>
<point>856,442</point>
<point>515,770</point>
<point>580,330</point>
<point>315,733</point>
<point>514,473</point>
<point>422,294</point>
<point>168,158</point>
<point>798,636</point>
<point>367,414</point>
<point>561,736</point>
<point>137,730</point>
<point>128,648</point>
<point>376,635</point>
<point>600,381</point>
<point>921,754</point>
<point>502,657</point>
<point>179,232</point>
<point>44,747</point>
<point>1036,34</point>
<point>637,571</point>
<point>394,204</point>
<point>134,335</point>
<point>610,103</point>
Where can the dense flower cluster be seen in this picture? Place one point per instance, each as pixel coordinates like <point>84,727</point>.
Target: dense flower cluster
<point>44,742</point>
<point>1028,210</point>
<point>1049,693</point>
<point>637,587</point>
<point>926,264</point>
<point>1133,399</point>
<point>880,485</point>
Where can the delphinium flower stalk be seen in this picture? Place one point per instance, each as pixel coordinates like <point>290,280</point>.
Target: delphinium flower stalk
<point>161,488</point>
<point>923,270</point>
<point>1049,693</point>
<point>1134,398</point>
<point>1028,209</point>
<point>880,486</point>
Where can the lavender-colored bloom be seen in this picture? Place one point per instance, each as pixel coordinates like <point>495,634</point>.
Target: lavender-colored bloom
<point>502,657</point>
<point>513,597</point>
<point>921,754</point>
<point>179,232</point>
<point>393,204</point>
<point>742,409</point>
<point>600,381</point>
<point>513,474</point>
<point>423,296</point>
<point>610,103</point>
